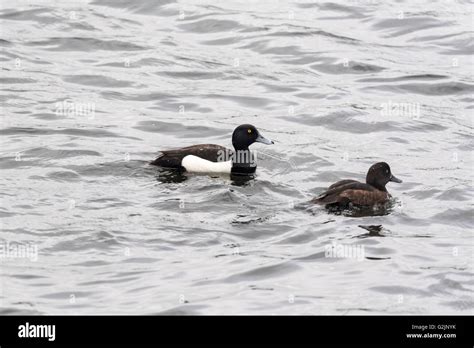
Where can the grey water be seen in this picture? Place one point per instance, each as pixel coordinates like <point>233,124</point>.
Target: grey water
<point>92,90</point>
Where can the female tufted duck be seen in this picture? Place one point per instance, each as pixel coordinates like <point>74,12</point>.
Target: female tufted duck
<point>347,193</point>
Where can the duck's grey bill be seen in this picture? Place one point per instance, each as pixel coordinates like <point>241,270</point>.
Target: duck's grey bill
<point>395,179</point>
<point>263,140</point>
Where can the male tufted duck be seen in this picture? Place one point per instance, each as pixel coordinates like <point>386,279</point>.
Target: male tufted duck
<point>210,158</point>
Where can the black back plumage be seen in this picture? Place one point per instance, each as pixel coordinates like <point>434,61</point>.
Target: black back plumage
<point>173,158</point>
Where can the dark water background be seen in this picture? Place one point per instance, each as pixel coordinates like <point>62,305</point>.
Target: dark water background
<point>92,90</point>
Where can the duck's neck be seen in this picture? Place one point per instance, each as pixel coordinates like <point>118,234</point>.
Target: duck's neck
<point>243,162</point>
<point>378,186</point>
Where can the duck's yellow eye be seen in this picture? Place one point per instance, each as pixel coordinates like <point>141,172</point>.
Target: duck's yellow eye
<point>249,131</point>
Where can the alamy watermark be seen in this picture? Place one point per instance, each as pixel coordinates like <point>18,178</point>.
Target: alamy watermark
<point>19,251</point>
<point>401,109</point>
<point>70,108</point>
<point>345,251</point>
<point>239,156</point>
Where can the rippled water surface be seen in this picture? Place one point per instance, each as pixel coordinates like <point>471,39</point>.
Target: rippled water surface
<point>92,90</point>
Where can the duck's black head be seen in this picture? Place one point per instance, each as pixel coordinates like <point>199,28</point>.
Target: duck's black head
<point>379,175</point>
<point>245,135</point>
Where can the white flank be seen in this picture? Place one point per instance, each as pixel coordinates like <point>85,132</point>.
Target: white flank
<point>199,165</point>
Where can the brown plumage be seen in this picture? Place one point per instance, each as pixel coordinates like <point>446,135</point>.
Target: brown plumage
<point>361,197</point>
<point>351,192</point>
